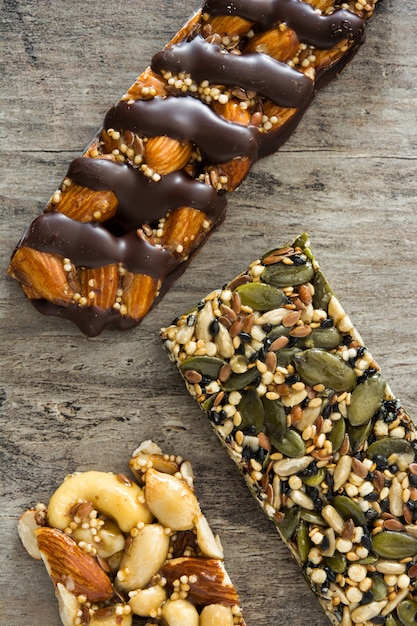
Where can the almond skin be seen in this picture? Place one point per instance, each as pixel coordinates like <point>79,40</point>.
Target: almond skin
<point>99,285</point>
<point>69,565</point>
<point>41,275</point>
<point>207,578</point>
<point>183,227</point>
<point>279,44</point>
<point>139,296</point>
<point>165,155</point>
<point>229,25</point>
<point>86,205</point>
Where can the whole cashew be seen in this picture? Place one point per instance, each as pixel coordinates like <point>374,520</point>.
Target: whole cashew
<point>117,498</point>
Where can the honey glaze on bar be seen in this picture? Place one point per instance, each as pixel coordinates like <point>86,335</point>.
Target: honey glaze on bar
<point>186,118</point>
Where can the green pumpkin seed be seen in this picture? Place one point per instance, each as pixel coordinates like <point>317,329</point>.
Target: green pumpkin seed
<point>358,434</point>
<point>394,545</point>
<point>261,297</point>
<point>208,403</point>
<point>368,560</point>
<point>322,291</point>
<point>317,366</point>
<point>286,355</point>
<point>387,446</point>
<point>325,338</point>
<point>391,620</point>
<point>407,612</point>
<point>206,365</point>
<point>349,509</point>
<point>312,517</point>
<point>301,241</point>
<point>278,331</point>
<point>275,418</point>
<point>304,542</point>
<point>337,562</point>
<point>240,381</point>
<point>282,275</point>
<point>290,522</point>
<point>252,411</point>
<point>337,435</point>
<point>291,443</point>
<point>316,479</point>
<point>379,588</point>
<point>365,400</point>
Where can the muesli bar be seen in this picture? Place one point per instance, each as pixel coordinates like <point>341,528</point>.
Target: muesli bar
<point>228,89</point>
<point>304,411</point>
<point>123,550</point>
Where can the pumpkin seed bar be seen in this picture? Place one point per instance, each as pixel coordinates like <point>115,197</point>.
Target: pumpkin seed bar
<point>228,89</point>
<point>122,551</point>
<point>303,410</point>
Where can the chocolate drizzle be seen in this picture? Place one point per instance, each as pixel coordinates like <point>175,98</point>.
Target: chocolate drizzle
<point>140,200</point>
<point>186,119</point>
<point>321,31</point>
<point>91,245</point>
<point>254,71</point>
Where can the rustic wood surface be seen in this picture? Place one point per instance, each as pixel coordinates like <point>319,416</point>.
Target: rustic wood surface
<point>347,176</point>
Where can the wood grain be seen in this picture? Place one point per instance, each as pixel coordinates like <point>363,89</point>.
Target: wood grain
<point>347,176</point>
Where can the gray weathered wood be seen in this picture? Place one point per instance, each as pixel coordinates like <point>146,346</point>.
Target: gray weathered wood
<point>347,176</point>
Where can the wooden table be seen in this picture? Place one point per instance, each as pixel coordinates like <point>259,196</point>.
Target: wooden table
<point>347,176</point>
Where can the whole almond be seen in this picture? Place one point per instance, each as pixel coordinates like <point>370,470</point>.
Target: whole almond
<point>69,565</point>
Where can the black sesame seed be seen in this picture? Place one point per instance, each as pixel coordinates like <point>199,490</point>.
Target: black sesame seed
<point>372,497</point>
<point>214,328</point>
<point>413,480</point>
<point>380,462</point>
<point>393,468</point>
<point>331,575</point>
<point>327,411</point>
<point>384,504</point>
<point>327,323</point>
<point>347,340</point>
<point>290,380</point>
<point>245,337</point>
<point>217,417</point>
<point>246,453</point>
<point>191,319</point>
<point>285,488</point>
<point>370,515</point>
<point>262,354</point>
<point>260,455</point>
<point>367,597</point>
<point>360,351</point>
<point>267,328</point>
<point>325,543</point>
<point>298,260</point>
<point>240,350</point>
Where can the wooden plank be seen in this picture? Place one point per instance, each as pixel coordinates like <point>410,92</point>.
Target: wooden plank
<point>347,176</point>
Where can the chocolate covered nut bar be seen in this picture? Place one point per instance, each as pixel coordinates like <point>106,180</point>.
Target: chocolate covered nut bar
<point>305,413</point>
<point>119,549</point>
<point>227,90</point>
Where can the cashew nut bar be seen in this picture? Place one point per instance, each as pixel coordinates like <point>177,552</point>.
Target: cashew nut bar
<point>323,444</point>
<point>124,551</point>
<point>228,89</point>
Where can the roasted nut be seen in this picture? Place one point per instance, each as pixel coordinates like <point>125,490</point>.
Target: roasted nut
<point>68,564</point>
<point>114,498</point>
<point>171,500</point>
<point>145,554</point>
